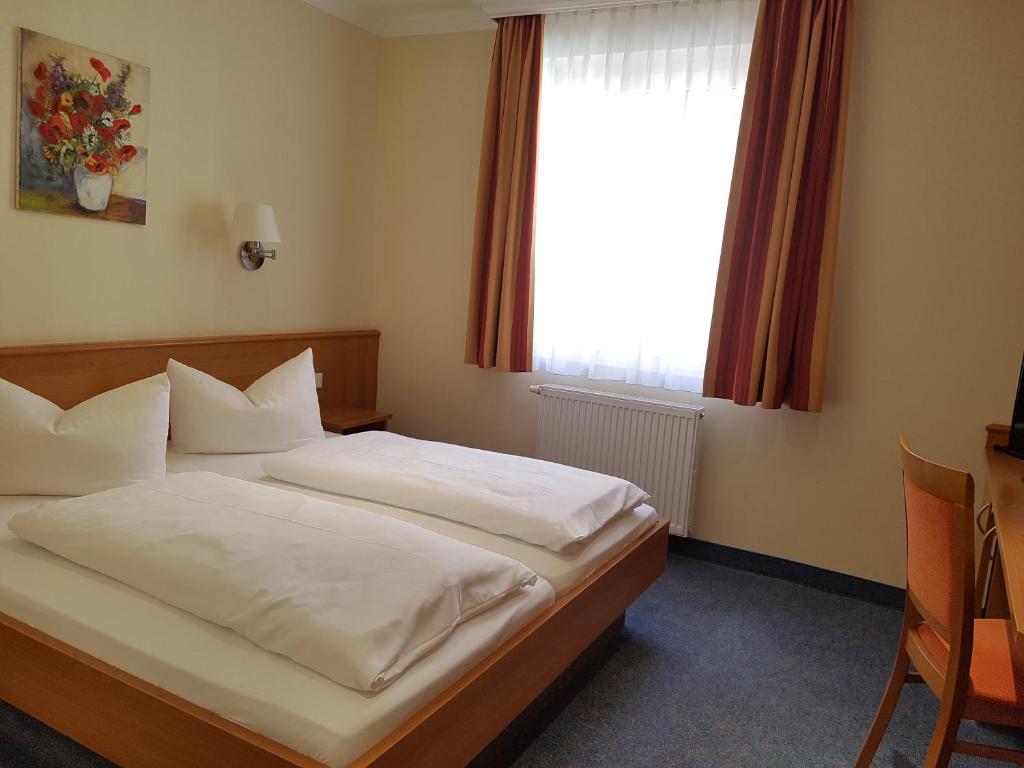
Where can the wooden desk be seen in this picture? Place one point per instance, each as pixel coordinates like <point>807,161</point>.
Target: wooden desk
<point>1006,484</point>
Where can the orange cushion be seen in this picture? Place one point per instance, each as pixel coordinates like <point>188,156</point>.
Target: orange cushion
<point>997,663</point>
<point>931,542</point>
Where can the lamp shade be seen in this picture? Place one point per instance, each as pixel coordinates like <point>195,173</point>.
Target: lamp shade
<point>254,221</point>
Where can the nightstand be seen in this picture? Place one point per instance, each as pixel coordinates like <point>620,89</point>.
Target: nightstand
<point>345,419</point>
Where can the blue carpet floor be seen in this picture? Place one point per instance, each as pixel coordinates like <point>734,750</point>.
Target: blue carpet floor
<point>719,669</point>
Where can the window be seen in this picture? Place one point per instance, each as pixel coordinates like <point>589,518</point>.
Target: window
<point>640,110</point>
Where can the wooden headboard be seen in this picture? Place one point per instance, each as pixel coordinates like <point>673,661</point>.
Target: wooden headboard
<point>67,374</point>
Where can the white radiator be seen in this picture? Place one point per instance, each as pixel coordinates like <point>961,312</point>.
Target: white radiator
<point>651,443</point>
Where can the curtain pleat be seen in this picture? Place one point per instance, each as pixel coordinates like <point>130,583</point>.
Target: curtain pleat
<point>500,326</point>
<point>770,324</point>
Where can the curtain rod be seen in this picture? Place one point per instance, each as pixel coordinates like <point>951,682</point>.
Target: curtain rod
<point>499,8</point>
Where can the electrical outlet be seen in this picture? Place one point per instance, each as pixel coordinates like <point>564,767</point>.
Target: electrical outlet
<point>319,380</point>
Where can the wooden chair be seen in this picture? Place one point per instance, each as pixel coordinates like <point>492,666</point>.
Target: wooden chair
<point>974,666</point>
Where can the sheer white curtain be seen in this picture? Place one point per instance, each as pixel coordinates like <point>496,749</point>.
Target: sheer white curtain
<point>640,108</point>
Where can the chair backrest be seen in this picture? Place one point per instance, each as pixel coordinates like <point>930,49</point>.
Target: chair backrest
<point>940,542</point>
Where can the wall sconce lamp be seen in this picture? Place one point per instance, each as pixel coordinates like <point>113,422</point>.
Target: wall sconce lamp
<point>255,224</point>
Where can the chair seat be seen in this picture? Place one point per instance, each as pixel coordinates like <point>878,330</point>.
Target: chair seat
<point>997,661</point>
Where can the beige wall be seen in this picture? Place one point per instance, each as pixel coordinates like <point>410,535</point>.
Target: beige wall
<point>251,100</point>
<point>272,100</point>
<point>928,325</point>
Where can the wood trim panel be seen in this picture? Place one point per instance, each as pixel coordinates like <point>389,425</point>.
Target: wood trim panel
<point>67,374</point>
<point>125,719</point>
<point>135,723</point>
<point>456,726</point>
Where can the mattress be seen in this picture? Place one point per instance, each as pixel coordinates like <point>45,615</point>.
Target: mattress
<point>561,571</point>
<point>220,670</point>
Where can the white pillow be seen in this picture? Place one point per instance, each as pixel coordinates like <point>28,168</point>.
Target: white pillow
<point>278,412</point>
<point>113,439</point>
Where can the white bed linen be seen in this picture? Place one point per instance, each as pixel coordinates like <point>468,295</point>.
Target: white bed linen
<point>540,502</point>
<point>218,669</point>
<point>279,411</point>
<point>561,571</point>
<point>353,595</point>
<point>117,437</point>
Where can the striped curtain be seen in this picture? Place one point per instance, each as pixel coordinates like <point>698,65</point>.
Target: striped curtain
<point>769,328</point>
<point>500,327</point>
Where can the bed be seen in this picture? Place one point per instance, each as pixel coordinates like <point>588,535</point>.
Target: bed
<point>144,684</point>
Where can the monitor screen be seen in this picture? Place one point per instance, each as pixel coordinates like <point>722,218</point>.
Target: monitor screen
<point>1016,445</point>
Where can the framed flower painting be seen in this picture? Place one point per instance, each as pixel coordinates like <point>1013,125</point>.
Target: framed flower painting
<point>82,131</point>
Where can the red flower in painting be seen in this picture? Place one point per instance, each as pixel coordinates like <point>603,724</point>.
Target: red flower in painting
<point>101,68</point>
<point>40,71</point>
<point>54,130</point>
<point>97,164</point>
<point>83,101</point>
<point>135,110</point>
<point>120,125</point>
<point>105,133</point>
<point>47,132</point>
<point>37,110</point>
<point>78,123</point>
<point>99,105</point>
<point>41,93</point>
<point>127,153</point>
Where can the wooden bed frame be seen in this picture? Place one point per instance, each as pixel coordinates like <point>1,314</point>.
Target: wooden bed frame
<point>134,723</point>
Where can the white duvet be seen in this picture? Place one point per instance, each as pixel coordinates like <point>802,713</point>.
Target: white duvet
<point>355,596</point>
<point>539,502</point>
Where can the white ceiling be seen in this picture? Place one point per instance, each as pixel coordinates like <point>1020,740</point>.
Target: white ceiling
<point>394,18</point>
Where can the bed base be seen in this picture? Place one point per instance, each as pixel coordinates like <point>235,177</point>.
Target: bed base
<point>136,724</point>
<point>531,722</point>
